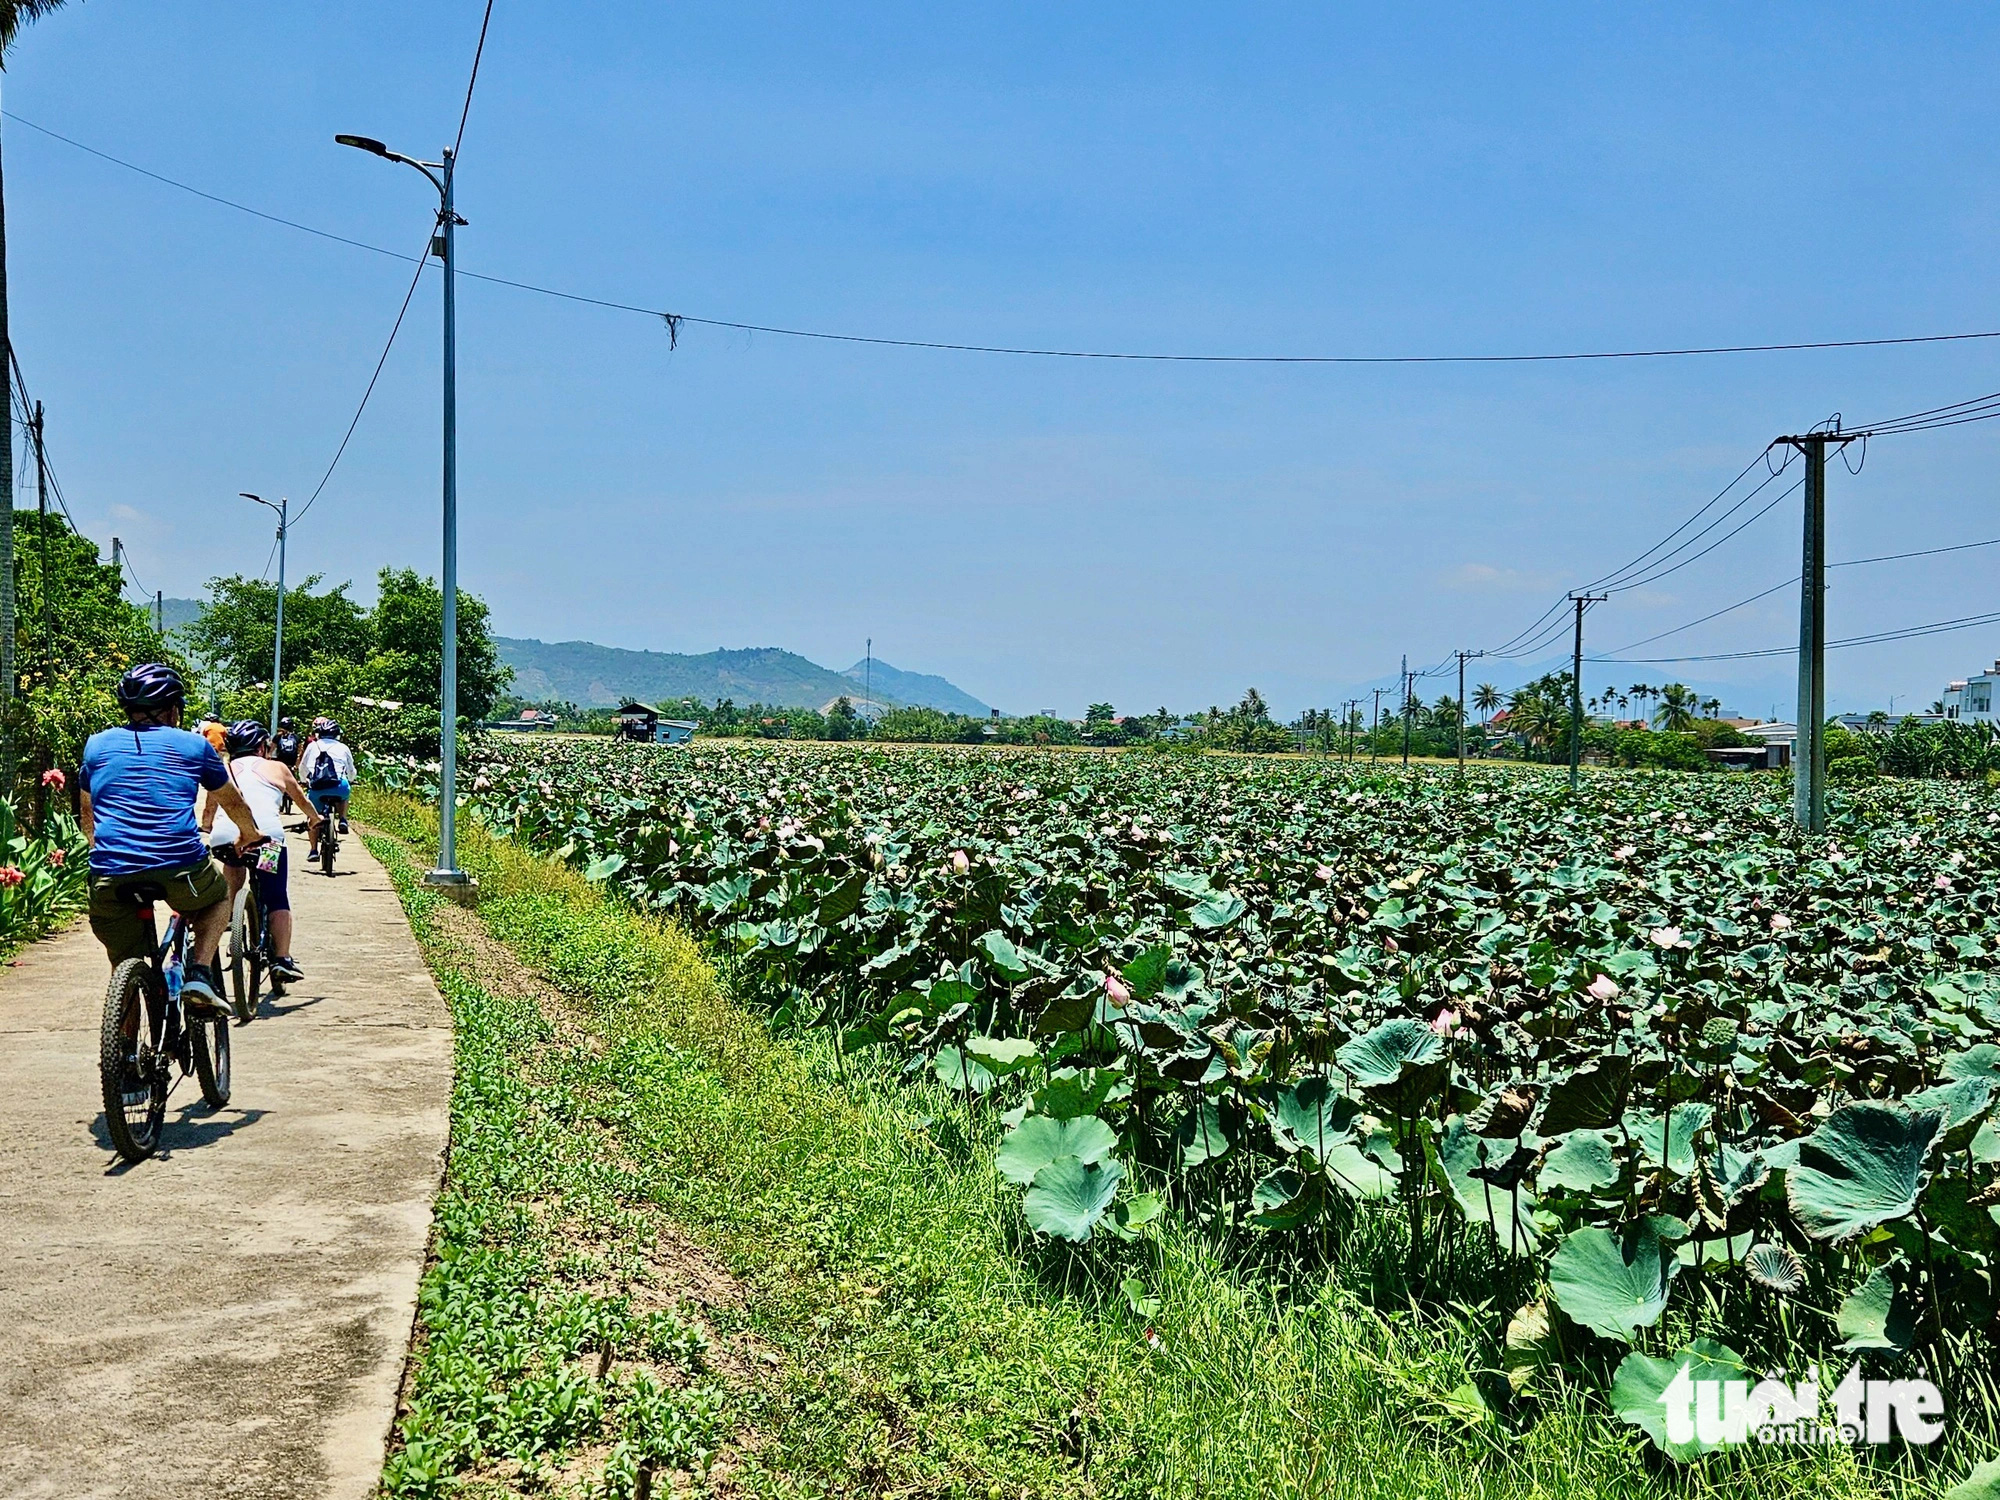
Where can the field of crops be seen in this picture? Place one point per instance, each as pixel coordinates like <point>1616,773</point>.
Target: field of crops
<point>1695,1086</point>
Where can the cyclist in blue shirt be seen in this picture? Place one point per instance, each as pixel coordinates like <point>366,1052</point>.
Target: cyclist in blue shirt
<point>139,785</point>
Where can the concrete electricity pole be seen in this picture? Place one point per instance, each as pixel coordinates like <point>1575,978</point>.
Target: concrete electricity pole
<point>1463,657</point>
<point>1582,602</point>
<point>1809,749</point>
<point>1406,713</point>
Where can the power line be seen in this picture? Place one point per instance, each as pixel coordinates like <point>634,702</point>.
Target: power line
<point>477,53</point>
<point>674,320</point>
<point>1901,633</point>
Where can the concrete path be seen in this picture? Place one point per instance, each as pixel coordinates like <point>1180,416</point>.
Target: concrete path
<point>230,1318</point>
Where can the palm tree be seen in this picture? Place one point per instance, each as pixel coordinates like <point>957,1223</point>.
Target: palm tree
<point>14,14</point>
<point>1678,703</point>
<point>1713,708</point>
<point>1486,698</point>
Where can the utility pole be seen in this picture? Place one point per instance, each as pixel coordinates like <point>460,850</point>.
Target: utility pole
<point>1582,602</point>
<point>1406,712</point>
<point>1809,748</point>
<point>868,672</point>
<point>1348,718</point>
<point>1463,656</point>
<point>160,611</point>
<point>278,639</point>
<point>1374,729</point>
<point>42,512</point>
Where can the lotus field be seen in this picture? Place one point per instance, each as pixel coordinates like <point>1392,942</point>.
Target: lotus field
<point>1657,1074</point>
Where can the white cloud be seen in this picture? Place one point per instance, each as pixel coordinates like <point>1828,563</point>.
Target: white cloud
<point>126,513</point>
<point>1485,576</point>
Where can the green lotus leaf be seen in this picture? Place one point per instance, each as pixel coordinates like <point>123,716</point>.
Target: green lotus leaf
<point>1400,1063</point>
<point>605,868</point>
<point>1683,1123</point>
<point>1356,1173</point>
<point>1961,1102</point>
<point>1591,1098</point>
<point>1201,1135</point>
<point>957,1071</point>
<point>1070,1092</point>
<point>1983,1483</point>
<point>1134,1214</point>
<point>1981,1060</point>
<point>1147,973</point>
<point>1039,1140</point>
<point>1003,1055</point>
<point>1218,911</point>
<point>1285,1199</point>
<point>1069,1196</point>
<point>1613,1289</point>
<point>1472,1165</point>
<point>1581,1163</point>
<point>1639,1390</point>
<point>1864,1166</point>
<point>1312,1115</point>
<point>1776,1268</point>
<point>841,900</point>
<point>1876,1315</point>
<point>1005,958</point>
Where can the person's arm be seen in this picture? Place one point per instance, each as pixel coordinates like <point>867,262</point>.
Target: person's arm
<point>83,815</point>
<point>229,800</point>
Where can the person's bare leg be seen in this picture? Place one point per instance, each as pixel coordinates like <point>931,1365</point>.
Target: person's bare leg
<point>206,928</point>
<point>281,934</point>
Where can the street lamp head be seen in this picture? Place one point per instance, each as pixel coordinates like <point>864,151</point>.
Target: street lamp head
<point>248,496</point>
<point>362,143</point>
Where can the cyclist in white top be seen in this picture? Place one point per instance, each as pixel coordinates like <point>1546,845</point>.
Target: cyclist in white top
<point>327,768</point>
<point>265,782</point>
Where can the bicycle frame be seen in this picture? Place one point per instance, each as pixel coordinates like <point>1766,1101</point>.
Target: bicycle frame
<point>166,1029</point>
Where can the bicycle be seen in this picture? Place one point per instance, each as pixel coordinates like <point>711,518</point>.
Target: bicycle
<point>329,845</point>
<point>147,1032</point>
<point>250,954</point>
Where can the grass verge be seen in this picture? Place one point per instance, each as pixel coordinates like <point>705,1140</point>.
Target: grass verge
<point>914,1341</point>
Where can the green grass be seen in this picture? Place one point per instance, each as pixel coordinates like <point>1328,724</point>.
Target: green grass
<point>925,1345</point>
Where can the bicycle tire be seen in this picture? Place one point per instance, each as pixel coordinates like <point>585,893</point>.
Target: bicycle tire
<point>257,926</point>
<point>127,1086</point>
<point>242,988</point>
<point>328,845</point>
<point>208,1038</point>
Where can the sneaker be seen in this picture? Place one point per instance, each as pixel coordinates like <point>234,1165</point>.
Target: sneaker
<point>198,988</point>
<point>287,970</point>
<point>343,825</point>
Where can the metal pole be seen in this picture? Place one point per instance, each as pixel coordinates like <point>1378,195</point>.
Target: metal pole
<point>447,871</point>
<point>1461,713</point>
<point>42,510</point>
<point>1406,713</point>
<point>1809,748</point>
<point>1375,728</point>
<point>1582,602</point>
<point>278,641</point>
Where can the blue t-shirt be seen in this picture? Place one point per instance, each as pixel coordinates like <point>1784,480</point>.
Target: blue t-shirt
<point>142,785</point>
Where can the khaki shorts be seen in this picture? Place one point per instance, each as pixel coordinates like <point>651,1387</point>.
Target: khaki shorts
<point>116,918</point>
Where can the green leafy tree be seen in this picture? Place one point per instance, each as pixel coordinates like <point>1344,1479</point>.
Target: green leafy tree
<point>1678,708</point>
<point>407,624</point>
<point>234,633</point>
<point>1487,699</point>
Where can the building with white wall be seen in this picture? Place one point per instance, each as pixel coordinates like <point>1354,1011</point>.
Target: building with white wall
<point>1972,700</point>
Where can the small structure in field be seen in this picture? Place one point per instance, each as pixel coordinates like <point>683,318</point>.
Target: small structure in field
<point>642,722</point>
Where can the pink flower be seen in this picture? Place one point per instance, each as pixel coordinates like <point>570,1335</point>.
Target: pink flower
<point>56,858</point>
<point>1323,873</point>
<point>1625,851</point>
<point>959,863</point>
<point>1115,990</point>
<point>11,875</point>
<point>1666,937</point>
<point>1779,921</point>
<point>1604,987</point>
<point>1943,882</point>
<point>1445,1022</point>
<point>54,779</point>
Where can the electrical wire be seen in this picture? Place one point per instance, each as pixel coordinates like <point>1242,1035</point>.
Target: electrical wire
<point>477,53</point>
<point>675,320</point>
<point>1901,633</point>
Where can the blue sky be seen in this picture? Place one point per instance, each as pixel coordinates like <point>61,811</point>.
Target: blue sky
<point>1282,179</point>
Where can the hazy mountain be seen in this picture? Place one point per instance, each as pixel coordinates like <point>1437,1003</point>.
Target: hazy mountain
<point>180,611</point>
<point>594,676</point>
<point>921,688</point>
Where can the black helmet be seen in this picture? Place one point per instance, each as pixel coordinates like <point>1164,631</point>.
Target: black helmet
<point>151,685</point>
<point>329,730</point>
<point>244,737</point>
<point>286,722</point>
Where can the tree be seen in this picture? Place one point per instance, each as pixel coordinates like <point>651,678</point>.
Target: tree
<point>408,625</point>
<point>14,14</point>
<point>1676,713</point>
<point>1486,698</point>
<point>1253,707</point>
<point>1099,713</point>
<point>233,634</point>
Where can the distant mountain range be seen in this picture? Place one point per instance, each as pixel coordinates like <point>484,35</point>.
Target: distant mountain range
<point>594,676</point>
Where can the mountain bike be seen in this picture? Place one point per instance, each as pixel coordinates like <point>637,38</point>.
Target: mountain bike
<point>329,844</point>
<point>148,1033</point>
<point>250,953</point>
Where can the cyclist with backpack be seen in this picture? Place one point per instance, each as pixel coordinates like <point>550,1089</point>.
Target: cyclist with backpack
<point>264,782</point>
<point>286,748</point>
<point>138,786</point>
<point>329,772</point>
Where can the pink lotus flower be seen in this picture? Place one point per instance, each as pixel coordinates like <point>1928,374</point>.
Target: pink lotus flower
<point>1943,882</point>
<point>10,875</point>
<point>1323,873</point>
<point>1667,937</point>
<point>56,858</point>
<point>1445,1022</point>
<point>1625,851</point>
<point>959,863</point>
<point>1604,987</point>
<point>1779,921</point>
<point>1115,990</point>
<point>54,779</point>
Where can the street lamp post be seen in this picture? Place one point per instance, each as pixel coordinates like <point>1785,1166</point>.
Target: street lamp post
<point>443,245</point>
<point>278,640</point>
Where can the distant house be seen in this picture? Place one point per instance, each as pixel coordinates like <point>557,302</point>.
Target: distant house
<point>642,722</point>
<point>1972,699</point>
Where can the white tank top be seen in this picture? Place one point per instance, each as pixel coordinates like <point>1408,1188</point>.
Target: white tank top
<point>263,796</point>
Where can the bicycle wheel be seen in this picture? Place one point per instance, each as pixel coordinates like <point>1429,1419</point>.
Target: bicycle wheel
<point>208,1036</point>
<point>328,844</point>
<point>257,929</point>
<point>242,986</point>
<point>134,1076</point>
